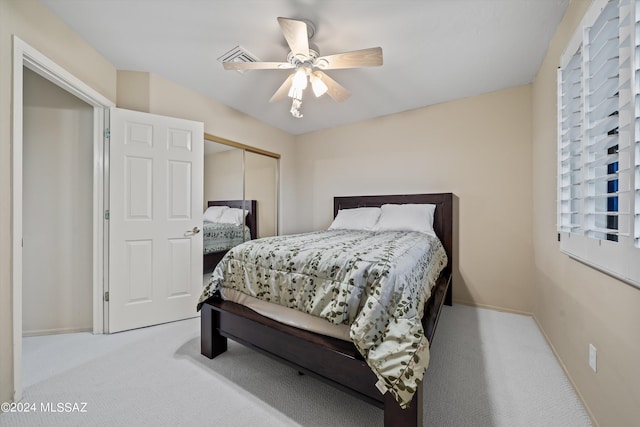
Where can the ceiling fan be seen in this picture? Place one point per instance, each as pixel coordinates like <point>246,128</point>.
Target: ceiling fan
<point>309,65</point>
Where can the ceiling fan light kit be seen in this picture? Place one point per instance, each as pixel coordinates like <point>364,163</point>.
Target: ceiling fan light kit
<point>317,85</point>
<point>309,65</point>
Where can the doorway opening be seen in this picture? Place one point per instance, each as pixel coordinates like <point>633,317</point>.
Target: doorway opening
<point>57,190</point>
<point>26,57</point>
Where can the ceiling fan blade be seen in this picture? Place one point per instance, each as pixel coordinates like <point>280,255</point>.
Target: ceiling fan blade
<point>295,32</point>
<point>335,90</point>
<point>283,90</point>
<point>371,57</point>
<point>257,65</point>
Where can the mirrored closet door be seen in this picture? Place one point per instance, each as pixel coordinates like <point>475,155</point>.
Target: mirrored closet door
<point>261,185</point>
<point>240,196</point>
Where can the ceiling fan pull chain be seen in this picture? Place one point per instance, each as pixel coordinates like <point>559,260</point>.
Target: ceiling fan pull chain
<point>295,108</point>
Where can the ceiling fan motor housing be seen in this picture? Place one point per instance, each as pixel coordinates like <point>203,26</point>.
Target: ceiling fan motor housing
<point>311,28</point>
<point>297,60</point>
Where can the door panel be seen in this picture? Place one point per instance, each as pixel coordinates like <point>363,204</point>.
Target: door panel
<point>139,192</point>
<point>155,197</point>
<point>179,187</point>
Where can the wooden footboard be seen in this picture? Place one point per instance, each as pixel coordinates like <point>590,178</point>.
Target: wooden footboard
<point>329,359</point>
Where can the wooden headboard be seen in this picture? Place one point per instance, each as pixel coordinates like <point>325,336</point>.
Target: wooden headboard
<point>443,216</point>
<point>251,206</point>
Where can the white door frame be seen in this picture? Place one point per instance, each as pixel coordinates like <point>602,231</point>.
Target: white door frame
<point>26,56</point>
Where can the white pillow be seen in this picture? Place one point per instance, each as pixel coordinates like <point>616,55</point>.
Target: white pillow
<point>233,216</point>
<point>213,213</point>
<point>408,217</point>
<point>356,219</point>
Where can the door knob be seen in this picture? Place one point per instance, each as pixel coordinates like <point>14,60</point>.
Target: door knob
<point>195,230</point>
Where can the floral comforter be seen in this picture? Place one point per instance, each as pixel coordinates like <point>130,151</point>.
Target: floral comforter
<point>219,237</point>
<point>376,282</point>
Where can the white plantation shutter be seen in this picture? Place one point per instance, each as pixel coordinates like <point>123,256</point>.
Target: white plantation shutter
<point>570,146</point>
<point>607,146</point>
<point>599,141</point>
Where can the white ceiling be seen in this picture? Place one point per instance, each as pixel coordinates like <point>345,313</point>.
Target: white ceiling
<point>434,50</point>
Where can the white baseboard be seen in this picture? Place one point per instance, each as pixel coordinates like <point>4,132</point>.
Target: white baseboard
<point>38,332</point>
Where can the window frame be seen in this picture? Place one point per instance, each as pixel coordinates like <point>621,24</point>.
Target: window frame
<point>621,258</point>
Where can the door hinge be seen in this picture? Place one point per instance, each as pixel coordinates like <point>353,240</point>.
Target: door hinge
<point>106,214</point>
<point>107,134</point>
<point>106,296</point>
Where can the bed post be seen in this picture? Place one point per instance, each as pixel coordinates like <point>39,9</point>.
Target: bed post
<point>211,342</point>
<point>395,416</point>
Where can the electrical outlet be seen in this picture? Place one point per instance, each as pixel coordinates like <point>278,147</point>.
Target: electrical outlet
<point>593,357</point>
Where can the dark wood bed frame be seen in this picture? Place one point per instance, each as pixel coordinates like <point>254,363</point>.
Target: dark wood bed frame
<point>332,360</point>
<point>212,259</point>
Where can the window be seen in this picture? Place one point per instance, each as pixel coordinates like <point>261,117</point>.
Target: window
<point>599,141</point>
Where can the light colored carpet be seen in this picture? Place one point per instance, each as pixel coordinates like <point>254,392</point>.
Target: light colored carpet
<point>488,368</point>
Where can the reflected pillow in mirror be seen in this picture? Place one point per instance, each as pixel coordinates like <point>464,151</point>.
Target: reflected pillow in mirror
<point>213,213</point>
<point>356,219</point>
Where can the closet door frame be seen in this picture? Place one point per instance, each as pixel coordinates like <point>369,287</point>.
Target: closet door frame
<point>25,55</point>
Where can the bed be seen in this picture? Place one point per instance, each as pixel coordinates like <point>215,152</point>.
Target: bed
<point>335,361</point>
<point>219,238</point>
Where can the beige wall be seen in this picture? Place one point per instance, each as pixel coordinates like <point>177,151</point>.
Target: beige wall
<point>57,278</point>
<point>134,90</point>
<point>478,148</point>
<point>574,304</point>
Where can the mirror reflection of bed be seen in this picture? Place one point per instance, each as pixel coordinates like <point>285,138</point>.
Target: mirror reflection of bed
<point>241,177</point>
<point>226,223</point>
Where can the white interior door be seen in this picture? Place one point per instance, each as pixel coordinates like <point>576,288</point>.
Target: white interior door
<point>155,209</point>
